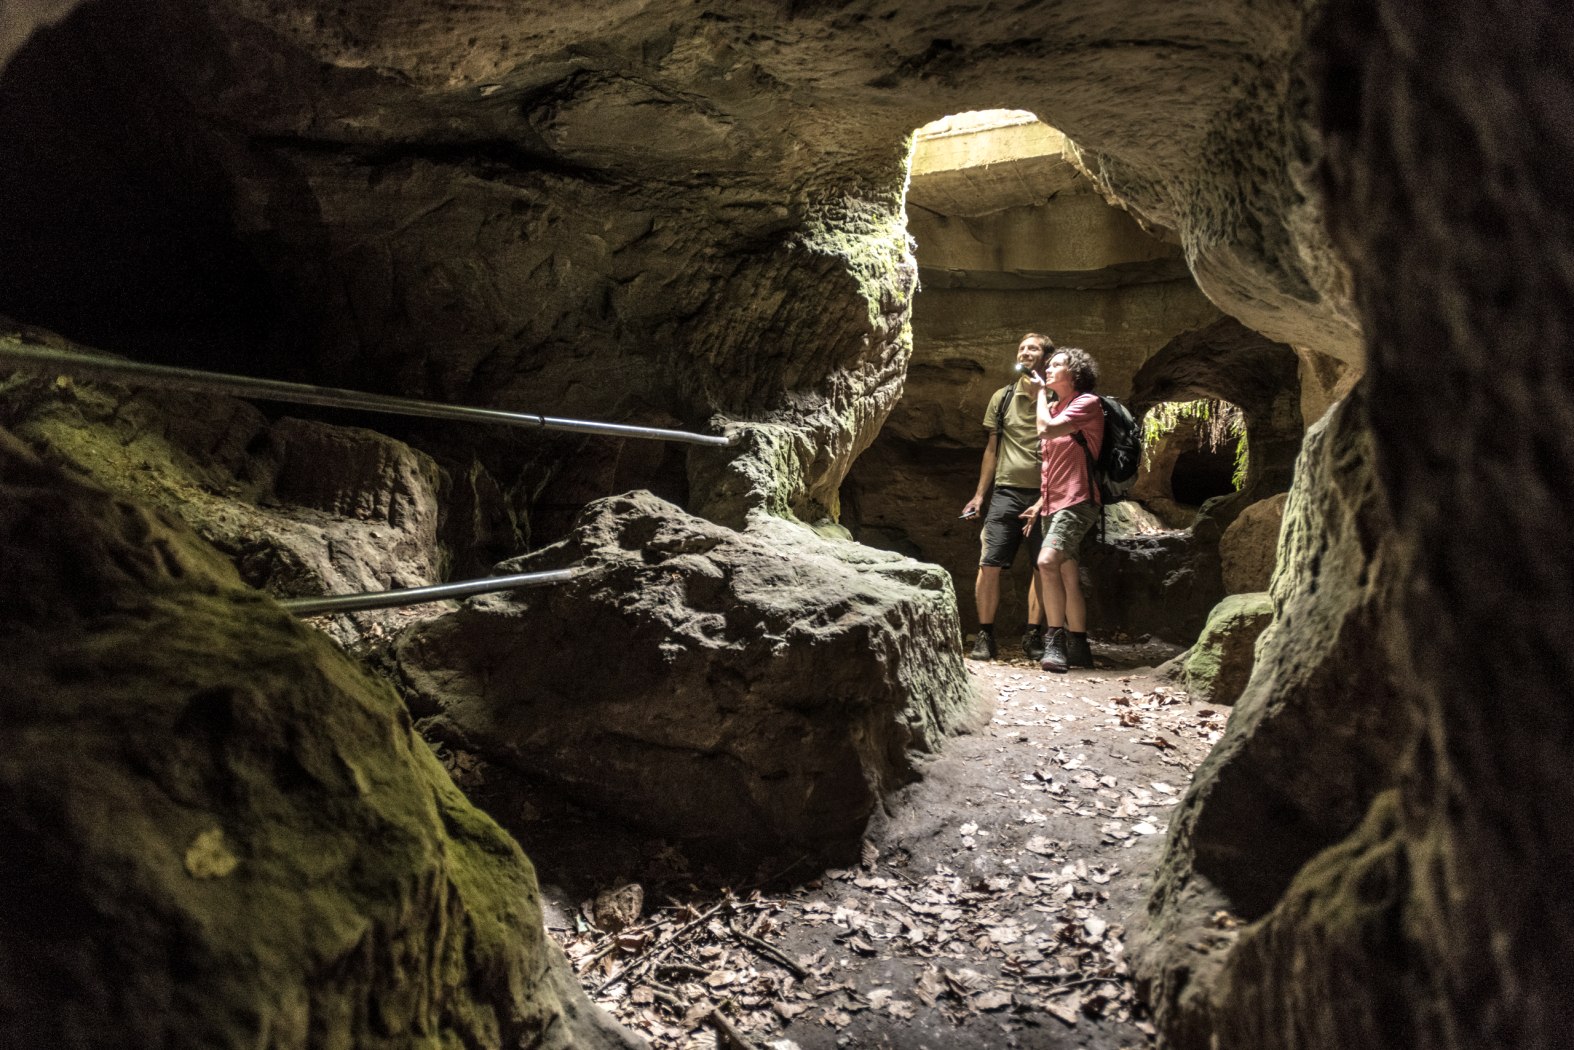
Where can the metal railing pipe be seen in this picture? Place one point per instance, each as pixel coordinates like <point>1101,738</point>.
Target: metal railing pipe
<point>342,603</point>
<point>45,359</point>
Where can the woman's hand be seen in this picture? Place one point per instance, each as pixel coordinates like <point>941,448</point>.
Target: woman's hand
<point>1030,516</point>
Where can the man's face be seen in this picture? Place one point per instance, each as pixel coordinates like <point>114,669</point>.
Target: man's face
<point>1030,354</point>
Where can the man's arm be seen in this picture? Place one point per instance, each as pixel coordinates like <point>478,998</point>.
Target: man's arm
<point>986,475</point>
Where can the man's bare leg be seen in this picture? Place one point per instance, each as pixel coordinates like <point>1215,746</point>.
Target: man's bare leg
<point>986,592</point>
<point>986,595</point>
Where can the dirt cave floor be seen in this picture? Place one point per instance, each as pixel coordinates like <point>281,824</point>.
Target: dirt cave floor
<point>988,911</point>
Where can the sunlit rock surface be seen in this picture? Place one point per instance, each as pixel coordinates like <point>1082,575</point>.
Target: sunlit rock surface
<point>762,688</point>
<point>219,831</point>
<point>1248,548</point>
<point>1010,237</point>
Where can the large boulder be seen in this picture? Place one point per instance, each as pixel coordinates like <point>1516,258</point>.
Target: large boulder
<point>1248,546</point>
<point>1160,585</point>
<point>1317,734</point>
<point>757,688</point>
<point>1216,669</point>
<point>219,832</point>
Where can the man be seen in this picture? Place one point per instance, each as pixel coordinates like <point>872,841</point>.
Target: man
<point>1070,419</point>
<point>1011,465</point>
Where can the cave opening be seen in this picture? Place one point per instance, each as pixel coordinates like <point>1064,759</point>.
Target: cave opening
<point>1193,451</point>
<point>1011,235</point>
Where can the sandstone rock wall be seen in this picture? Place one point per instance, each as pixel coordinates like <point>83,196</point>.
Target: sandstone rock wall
<point>647,214</point>
<point>1249,548</point>
<point>1317,734</point>
<point>1444,130</point>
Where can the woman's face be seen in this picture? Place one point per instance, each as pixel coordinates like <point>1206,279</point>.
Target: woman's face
<point>1057,374</point>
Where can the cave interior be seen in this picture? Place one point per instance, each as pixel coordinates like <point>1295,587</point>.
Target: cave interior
<point>813,232</point>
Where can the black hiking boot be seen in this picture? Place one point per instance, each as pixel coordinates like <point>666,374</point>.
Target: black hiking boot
<point>1078,652</point>
<point>1033,642</point>
<point>1055,650</point>
<point>983,646</point>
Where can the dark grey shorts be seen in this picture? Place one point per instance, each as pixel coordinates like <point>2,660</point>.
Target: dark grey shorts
<point>1003,527</point>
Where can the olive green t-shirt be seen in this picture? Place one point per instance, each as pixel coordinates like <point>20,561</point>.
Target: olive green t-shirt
<point>1017,462</point>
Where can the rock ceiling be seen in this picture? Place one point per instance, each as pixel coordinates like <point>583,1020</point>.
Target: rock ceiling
<point>512,203</point>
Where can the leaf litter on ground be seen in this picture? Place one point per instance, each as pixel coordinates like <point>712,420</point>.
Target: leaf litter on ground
<point>1010,929</point>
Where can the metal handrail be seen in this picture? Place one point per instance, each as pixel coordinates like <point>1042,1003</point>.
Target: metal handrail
<point>342,603</point>
<point>39,358</point>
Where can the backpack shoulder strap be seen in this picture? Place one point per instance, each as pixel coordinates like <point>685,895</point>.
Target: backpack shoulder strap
<point>1077,435</point>
<point>1000,410</point>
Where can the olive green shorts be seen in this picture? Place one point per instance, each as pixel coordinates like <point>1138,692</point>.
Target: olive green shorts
<point>1064,529</point>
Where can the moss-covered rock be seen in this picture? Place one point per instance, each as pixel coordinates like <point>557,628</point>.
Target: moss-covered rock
<point>218,831</point>
<point>301,508</point>
<point>1218,666</point>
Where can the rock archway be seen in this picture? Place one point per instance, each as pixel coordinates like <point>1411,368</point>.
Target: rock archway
<point>1229,362</point>
<point>1010,236</point>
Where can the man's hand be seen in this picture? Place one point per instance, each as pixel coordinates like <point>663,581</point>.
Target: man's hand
<point>971,510</point>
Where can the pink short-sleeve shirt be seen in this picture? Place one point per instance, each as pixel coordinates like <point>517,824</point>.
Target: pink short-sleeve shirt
<point>1065,479</point>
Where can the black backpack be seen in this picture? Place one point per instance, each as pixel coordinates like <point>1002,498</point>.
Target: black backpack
<point>1115,470</point>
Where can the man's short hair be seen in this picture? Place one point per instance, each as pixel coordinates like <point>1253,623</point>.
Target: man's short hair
<point>1043,340</point>
<point>1084,370</point>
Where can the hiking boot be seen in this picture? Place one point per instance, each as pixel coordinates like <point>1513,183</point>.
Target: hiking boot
<point>983,646</point>
<point>1078,652</point>
<point>1033,643</point>
<point>1054,651</point>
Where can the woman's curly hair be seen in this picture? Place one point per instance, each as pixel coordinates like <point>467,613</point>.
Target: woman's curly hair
<point>1084,370</point>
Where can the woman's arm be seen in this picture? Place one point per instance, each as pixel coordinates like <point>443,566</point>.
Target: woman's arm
<point>1049,424</point>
